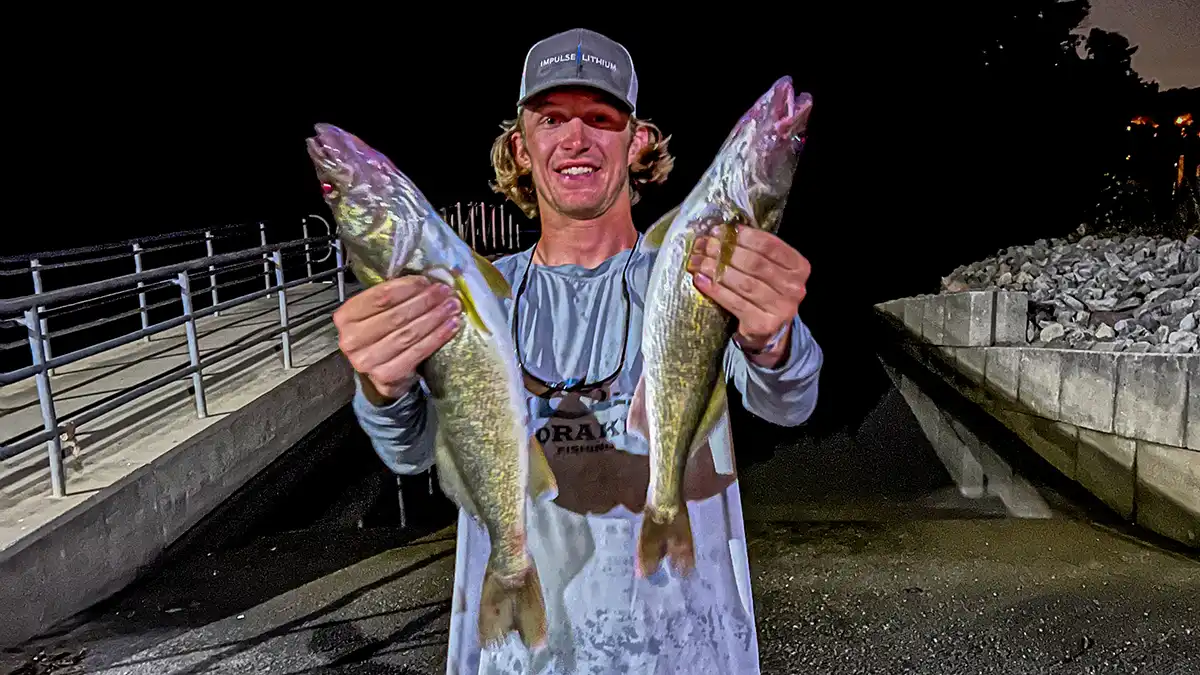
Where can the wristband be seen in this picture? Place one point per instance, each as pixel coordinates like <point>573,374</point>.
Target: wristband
<point>771,344</point>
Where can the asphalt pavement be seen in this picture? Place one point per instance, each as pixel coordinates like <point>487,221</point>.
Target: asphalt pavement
<point>866,558</point>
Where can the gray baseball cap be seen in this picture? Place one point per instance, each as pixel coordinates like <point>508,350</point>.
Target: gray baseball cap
<point>583,58</point>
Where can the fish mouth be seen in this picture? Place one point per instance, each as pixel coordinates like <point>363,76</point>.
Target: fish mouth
<point>788,110</point>
<point>333,153</point>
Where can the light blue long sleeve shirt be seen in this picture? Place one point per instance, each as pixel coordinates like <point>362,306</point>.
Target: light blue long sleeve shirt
<point>601,619</point>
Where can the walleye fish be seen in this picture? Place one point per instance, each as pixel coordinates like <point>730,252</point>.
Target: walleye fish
<point>487,462</point>
<point>681,394</point>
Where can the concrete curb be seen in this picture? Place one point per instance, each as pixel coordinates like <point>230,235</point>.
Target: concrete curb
<point>1126,426</point>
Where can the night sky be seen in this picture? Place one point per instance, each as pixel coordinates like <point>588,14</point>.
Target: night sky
<point>1166,32</point>
<point>910,169</point>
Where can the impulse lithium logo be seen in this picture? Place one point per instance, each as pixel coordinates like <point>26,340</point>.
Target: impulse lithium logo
<point>576,56</point>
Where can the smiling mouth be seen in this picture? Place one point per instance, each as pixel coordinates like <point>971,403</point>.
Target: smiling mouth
<point>577,170</point>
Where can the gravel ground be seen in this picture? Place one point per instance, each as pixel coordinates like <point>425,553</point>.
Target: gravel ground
<point>998,596</point>
<point>931,597</point>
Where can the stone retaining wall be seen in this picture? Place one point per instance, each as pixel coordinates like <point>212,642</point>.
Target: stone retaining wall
<point>1124,425</point>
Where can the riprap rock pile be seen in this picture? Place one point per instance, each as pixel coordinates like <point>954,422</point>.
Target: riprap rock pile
<point>1135,294</point>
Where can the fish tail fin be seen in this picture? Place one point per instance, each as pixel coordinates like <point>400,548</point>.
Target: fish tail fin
<point>661,539</point>
<point>505,607</point>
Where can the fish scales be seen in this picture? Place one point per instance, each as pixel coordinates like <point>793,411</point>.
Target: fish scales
<point>470,367</point>
<point>487,463</point>
<point>681,395</point>
<point>684,324</point>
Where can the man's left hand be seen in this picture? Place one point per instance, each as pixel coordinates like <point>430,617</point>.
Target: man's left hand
<point>762,286</point>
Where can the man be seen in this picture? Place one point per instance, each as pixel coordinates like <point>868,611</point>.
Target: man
<point>574,157</point>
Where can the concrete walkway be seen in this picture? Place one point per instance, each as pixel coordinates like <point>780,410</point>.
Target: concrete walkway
<point>142,474</point>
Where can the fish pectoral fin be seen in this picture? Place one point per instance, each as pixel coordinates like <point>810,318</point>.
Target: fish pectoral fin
<point>729,238</point>
<point>364,273</point>
<point>656,234</point>
<point>463,291</point>
<point>450,478</point>
<point>636,421</point>
<point>495,279</point>
<point>541,478</point>
<point>717,405</point>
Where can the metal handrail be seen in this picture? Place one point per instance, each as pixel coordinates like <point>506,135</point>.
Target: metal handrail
<point>486,228</point>
<point>25,258</point>
<point>33,310</point>
<point>76,292</point>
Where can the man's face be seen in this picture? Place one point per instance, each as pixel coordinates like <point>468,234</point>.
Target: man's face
<point>578,145</point>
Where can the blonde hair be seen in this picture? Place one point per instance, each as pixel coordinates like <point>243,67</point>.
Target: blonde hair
<point>652,165</point>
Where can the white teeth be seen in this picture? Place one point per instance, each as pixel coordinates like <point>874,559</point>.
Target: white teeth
<point>576,170</point>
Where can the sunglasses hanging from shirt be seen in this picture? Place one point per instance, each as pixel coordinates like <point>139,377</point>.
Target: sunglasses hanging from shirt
<point>596,390</point>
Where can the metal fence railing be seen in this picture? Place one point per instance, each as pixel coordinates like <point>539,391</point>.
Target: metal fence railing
<point>487,228</point>
<point>90,317</point>
<point>93,302</point>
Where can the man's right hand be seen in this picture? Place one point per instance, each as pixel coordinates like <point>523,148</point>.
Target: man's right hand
<point>387,330</point>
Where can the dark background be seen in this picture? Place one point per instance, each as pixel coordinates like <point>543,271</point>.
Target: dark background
<point>930,145</point>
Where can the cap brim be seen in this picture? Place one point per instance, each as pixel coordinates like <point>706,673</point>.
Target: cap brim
<point>578,82</point>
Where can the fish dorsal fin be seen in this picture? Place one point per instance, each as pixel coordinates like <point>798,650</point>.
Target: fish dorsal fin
<point>494,278</point>
<point>542,484</point>
<point>717,404</point>
<point>656,234</point>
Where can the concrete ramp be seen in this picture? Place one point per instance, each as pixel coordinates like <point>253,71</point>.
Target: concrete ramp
<point>142,475</point>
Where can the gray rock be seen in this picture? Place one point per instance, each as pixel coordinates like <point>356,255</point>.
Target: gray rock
<point>1129,300</point>
<point>1053,331</point>
<point>1139,347</point>
<point>1163,295</point>
<point>1183,337</point>
<point>1161,335</point>
<point>1105,332</point>
<point>1190,321</point>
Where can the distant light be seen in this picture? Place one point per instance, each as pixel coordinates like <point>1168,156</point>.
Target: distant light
<point>1129,127</point>
<point>1127,156</point>
<point>1183,120</point>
